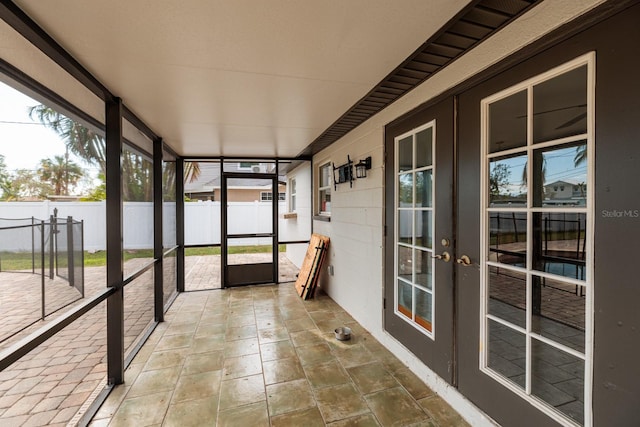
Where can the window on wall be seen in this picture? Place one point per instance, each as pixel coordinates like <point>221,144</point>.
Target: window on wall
<point>324,189</point>
<point>537,239</point>
<point>292,195</point>
<point>267,196</point>
<point>414,222</point>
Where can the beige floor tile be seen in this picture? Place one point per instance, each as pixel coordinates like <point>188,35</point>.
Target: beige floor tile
<point>413,384</point>
<point>326,374</point>
<point>282,370</point>
<point>372,377</point>
<point>203,362</point>
<point>277,350</point>
<point>166,359</point>
<point>288,397</point>
<point>273,335</point>
<point>441,412</point>
<point>315,353</point>
<point>242,366</point>
<point>396,407</point>
<point>149,382</point>
<point>367,420</point>
<point>141,411</point>
<point>249,415</point>
<point>308,418</point>
<point>193,387</point>
<point>340,402</point>
<point>192,413</point>
<point>241,347</point>
<point>241,391</point>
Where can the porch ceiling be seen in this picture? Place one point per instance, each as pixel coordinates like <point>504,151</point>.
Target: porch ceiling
<point>242,77</point>
<point>263,79</point>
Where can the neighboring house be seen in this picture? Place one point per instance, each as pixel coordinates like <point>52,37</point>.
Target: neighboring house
<point>565,192</point>
<point>208,184</point>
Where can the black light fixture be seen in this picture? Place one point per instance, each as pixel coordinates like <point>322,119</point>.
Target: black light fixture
<point>362,166</point>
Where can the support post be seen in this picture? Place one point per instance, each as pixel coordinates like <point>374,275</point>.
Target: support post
<point>115,302</point>
<point>180,223</point>
<point>158,278</point>
<point>70,261</point>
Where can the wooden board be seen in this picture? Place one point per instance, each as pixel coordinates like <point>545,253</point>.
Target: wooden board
<point>310,270</point>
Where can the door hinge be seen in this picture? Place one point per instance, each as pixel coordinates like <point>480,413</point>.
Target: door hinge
<point>385,231</point>
<point>384,303</point>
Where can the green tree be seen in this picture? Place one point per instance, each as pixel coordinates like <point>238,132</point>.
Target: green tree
<point>80,140</point>
<point>98,193</point>
<point>61,173</point>
<point>90,147</point>
<point>5,180</point>
<point>499,179</point>
<point>27,184</point>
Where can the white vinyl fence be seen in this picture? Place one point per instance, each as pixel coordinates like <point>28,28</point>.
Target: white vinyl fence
<point>202,221</point>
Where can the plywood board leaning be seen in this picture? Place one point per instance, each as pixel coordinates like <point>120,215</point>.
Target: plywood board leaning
<point>310,270</point>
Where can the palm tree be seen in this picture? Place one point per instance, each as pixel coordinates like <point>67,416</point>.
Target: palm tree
<point>87,144</point>
<point>80,140</point>
<point>61,173</point>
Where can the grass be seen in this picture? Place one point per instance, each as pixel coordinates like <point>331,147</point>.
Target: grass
<point>13,261</point>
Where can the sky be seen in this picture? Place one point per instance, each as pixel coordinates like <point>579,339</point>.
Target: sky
<point>24,142</point>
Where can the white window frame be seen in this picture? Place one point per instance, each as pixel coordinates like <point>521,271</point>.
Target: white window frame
<point>431,334</point>
<point>588,210</point>
<point>292,195</point>
<point>326,164</point>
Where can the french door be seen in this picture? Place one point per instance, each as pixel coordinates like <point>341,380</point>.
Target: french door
<point>419,296</point>
<point>498,305</point>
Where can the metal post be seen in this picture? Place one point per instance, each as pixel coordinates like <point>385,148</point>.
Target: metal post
<point>70,263</point>
<point>82,255</point>
<point>42,275</point>
<point>158,278</point>
<point>115,302</point>
<point>52,234</point>
<point>180,223</point>
<point>33,245</point>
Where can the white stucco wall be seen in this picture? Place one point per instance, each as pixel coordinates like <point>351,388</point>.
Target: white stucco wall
<point>356,226</point>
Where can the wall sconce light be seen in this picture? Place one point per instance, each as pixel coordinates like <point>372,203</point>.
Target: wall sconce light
<point>362,166</point>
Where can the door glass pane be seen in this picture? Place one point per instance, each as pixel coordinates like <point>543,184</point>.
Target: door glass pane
<point>424,148</point>
<point>508,181</point>
<point>508,122</point>
<point>424,189</point>
<point>424,269</point>
<point>558,379</point>
<point>405,154</point>
<point>558,311</point>
<point>414,216</point>
<point>559,243</point>
<point>508,295</point>
<point>405,226</point>
<point>560,176</point>
<point>507,352</point>
<point>405,299</point>
<point>508,238</point>
<point>424,309</point>
<point>560,106</point>
<point>405,263</point>
<point>424,229</point>
<point>405,190</point>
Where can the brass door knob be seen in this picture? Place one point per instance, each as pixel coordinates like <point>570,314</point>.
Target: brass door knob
<point>464,261</point>
<point>444,257</point>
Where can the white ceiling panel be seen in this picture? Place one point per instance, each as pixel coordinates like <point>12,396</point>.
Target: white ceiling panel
<point>241,77</point>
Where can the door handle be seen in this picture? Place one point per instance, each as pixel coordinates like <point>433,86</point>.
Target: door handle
<point>464,260</point>
<point>444,257</point>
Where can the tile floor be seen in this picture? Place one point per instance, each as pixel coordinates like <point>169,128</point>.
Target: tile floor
<point>260,356</point>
